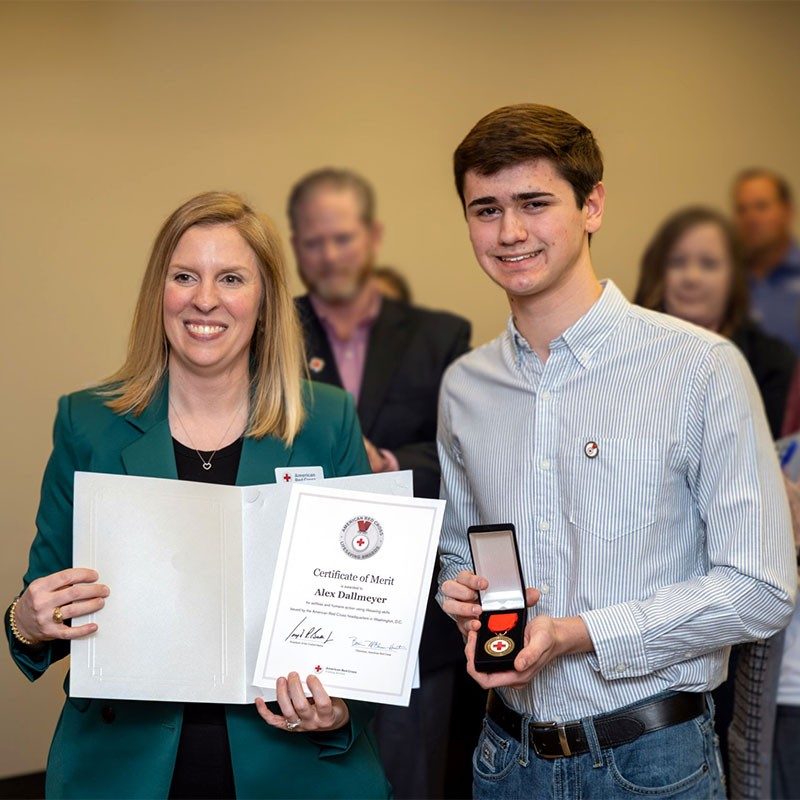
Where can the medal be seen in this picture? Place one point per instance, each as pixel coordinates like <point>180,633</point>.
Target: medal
<point>500,624</point>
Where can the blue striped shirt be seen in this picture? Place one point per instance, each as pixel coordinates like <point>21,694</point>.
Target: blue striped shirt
<point>672,543</point>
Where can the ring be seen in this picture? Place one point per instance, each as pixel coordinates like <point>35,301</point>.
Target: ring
<point>290,726</point>
<point>58,617</point>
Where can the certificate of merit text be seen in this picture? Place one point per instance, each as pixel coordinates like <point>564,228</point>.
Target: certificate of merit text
<point>348,598</point>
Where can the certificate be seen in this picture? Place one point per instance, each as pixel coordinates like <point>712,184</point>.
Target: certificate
<point>190,567</point>
<point>349,592</point>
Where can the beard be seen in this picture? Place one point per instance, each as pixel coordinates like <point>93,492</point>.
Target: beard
<point>337,289</point>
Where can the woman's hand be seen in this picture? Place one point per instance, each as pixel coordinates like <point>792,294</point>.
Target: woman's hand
<point>49,602</point>
<point>300,714</point>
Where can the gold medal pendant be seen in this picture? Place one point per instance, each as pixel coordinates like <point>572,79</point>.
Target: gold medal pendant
<point>499,645</point>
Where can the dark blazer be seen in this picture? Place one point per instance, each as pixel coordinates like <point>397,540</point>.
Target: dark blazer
<point>772,362</point>
<point>121,748</point>
<point>408,352</point>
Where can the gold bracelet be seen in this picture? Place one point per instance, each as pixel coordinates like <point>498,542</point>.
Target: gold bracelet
<point>14,629</point>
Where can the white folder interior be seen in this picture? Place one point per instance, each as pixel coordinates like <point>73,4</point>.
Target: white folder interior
<point>190,567</point>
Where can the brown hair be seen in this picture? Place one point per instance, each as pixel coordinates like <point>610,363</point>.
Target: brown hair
<point>653,266</point>
<point>277,358</point>
<point>338,179</point>
<point>782,188</point>
<point>513,134</point>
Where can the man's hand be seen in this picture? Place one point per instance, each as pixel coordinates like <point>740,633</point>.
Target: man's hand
<point>377,461</point>
<point>461,600</point>
<point>546,638</point>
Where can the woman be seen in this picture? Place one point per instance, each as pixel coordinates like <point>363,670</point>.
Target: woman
<point>692,269</point>
<point>211,390</point>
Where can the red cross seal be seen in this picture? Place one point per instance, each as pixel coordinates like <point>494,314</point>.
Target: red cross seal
<point>361,537</point>
<point>499,645</point>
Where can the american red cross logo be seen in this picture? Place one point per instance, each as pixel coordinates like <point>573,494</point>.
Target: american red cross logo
<point>287,477</point>
<point>360,542</point>
<point>318,668</point>
<point>499,646</point>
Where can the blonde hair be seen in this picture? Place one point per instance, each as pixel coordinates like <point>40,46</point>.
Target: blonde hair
<point>276,350</point>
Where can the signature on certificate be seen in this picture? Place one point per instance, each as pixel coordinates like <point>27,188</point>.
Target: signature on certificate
<point>372,644</point>
<point>311,633</point>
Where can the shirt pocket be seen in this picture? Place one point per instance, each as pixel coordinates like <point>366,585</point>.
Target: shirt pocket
<point>612,485</point>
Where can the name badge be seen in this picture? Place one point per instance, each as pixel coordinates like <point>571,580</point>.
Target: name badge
<point>297,474</point>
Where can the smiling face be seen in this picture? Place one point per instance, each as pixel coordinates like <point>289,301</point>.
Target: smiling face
<point>698,277</point>
<point>527,232</point>
<point>335,248</point>
<point>212,298</point>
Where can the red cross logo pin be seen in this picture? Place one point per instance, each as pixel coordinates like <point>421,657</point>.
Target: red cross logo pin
<point>591,449</point>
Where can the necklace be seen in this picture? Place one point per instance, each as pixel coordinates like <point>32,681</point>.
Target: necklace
<point>206,463</point>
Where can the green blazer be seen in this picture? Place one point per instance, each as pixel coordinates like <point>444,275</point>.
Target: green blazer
<point>115,748</point>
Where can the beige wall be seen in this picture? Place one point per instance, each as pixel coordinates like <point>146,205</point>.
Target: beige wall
<point>113,113</point>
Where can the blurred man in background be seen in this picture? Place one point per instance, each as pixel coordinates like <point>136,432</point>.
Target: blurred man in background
<point>390,356</point>
<point>763,211</point>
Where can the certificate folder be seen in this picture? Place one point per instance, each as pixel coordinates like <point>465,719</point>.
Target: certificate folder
<point>190,567</point>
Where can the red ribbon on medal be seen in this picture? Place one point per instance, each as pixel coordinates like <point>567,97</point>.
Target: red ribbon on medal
<point>500,623</point>
<point>363,525</point>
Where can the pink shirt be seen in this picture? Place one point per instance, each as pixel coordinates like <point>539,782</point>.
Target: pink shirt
<point>350,352</point>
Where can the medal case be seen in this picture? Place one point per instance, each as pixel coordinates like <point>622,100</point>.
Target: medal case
<point>495,557</point>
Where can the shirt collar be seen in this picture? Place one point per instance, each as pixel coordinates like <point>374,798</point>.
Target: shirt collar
<point>368,306</point>
<point>584,337</point>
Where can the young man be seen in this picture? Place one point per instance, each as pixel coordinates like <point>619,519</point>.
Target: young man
<point>763,212</point>
<point>631,452</point>
<point>391,357</point>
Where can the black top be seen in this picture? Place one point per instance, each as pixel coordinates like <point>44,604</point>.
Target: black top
<point>224,463</point>
<point>772,362</point>
<point>203,766</point>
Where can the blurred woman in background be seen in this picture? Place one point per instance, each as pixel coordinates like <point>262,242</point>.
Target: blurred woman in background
<point>693,269</point>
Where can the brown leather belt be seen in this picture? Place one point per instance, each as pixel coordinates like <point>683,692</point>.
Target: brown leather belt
<point>557,740</point>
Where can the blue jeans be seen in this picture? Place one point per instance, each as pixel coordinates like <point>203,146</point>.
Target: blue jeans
<point>681,761</point>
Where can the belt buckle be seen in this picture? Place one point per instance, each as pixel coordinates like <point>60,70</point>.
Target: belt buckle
<point>562,739</point>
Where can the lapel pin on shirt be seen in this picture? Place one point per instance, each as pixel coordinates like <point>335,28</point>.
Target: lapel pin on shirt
<point>591,449</point>
<point>316,364</point>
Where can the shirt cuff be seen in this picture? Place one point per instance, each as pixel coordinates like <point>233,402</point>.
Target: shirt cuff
<point>618,643</point>
<point>392,464</point>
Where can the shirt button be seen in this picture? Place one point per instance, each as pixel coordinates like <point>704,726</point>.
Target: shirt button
<point>545,463</point>
<point>544,525</point>
<point>544,588</point>
<point>620,668</point>
<point>544,395</point>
